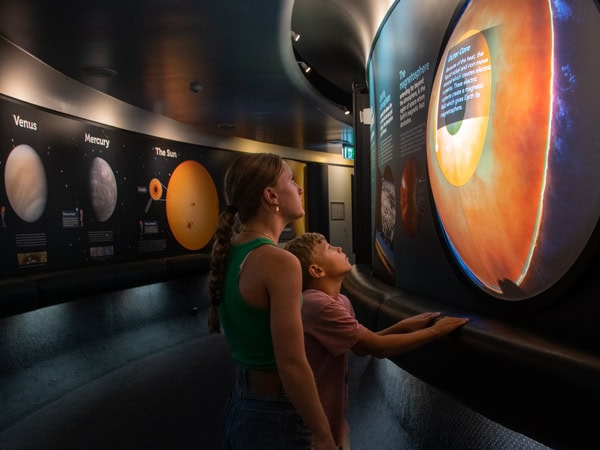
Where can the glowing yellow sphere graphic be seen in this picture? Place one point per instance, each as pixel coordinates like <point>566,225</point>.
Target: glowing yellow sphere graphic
<point>192,205</point>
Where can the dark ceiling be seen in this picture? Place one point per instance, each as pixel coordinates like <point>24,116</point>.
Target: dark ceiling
<point>237,54</point>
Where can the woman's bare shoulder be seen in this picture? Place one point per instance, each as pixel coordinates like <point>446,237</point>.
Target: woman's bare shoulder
<point>272,255</point>
<point>277,256</point>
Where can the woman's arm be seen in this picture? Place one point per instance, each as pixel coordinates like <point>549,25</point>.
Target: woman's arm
<point>283,280</point>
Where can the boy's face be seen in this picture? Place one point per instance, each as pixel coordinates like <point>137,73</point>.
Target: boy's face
<point>332,259</point>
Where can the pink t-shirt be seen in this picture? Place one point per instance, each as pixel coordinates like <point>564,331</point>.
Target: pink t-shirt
<point>330,331</point>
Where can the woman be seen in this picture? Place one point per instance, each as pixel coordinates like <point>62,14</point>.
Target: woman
<point>256,290</point>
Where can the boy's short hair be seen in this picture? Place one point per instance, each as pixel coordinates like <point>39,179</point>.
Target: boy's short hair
<point>304,247</point>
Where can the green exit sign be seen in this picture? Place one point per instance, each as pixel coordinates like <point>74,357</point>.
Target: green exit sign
<point>348,152</point>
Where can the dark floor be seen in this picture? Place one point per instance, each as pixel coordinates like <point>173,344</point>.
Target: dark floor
<point>173,399</point>
<point>136,369</point>
<point>390,409</point>
<point>169,400</point>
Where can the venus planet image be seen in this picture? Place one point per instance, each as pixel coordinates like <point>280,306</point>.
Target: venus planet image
<point>488,142</point>
<point>103,189</point>
<point>192,205</point>
<point>25,183</point>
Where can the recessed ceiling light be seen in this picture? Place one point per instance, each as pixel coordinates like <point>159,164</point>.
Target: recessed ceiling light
<point>305,67</point>
<point>225,126</point>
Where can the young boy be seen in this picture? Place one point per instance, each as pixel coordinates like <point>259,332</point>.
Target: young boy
<point>331,329</point>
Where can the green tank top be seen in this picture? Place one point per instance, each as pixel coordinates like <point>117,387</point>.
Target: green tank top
<point>247,329</point>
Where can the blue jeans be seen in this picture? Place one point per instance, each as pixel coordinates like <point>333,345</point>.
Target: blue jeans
<point>255,422</point>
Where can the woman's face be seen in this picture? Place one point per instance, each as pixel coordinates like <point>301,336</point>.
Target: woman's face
<point>289,194</point>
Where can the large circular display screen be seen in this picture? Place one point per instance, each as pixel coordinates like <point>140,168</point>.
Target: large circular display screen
<point>512,153</point>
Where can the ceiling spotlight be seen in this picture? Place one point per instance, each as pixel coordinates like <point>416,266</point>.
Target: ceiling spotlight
<point>295,36</point>
<point>305,67</point>
<point>346,111</point>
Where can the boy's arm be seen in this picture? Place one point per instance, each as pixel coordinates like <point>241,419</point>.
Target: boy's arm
<point>384,346</point>
<point>412,323</point>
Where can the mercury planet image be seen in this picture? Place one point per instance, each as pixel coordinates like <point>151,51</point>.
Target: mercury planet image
<point>103,189</point>
<point>494,150</point>
<point>25,183</point>
<point>192,205</point>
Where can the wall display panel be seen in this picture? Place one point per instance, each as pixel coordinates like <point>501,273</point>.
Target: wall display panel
<point>75,193</point>
<point>176,202</point>
<point>504,152</point>
<point>513,150</point>
<point>41,173</point>
<point>373,163</point>
<point>401,72</point>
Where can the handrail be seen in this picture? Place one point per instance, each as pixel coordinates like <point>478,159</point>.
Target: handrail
<point>29,292</point>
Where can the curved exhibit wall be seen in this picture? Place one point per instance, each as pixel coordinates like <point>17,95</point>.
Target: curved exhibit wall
<point>74,193</point>
<point>484,151</point>
<point>94,191</point>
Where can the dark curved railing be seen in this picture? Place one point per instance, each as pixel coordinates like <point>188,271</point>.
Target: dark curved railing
<point>526,381</point>
<point>34,291</point>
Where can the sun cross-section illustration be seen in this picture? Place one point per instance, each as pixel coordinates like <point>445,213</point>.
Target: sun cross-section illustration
<point>501,145</point>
